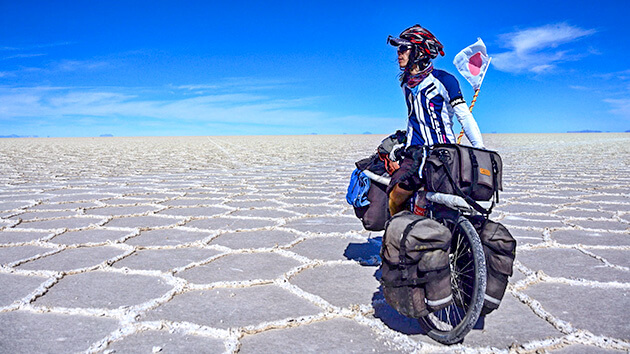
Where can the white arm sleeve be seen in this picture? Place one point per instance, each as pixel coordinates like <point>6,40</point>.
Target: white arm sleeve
<point>469,124</point>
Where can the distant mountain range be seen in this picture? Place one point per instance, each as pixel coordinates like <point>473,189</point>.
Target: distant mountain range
<point>592,131</point>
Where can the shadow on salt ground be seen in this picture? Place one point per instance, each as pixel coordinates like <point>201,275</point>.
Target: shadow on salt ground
<point>367,254</point>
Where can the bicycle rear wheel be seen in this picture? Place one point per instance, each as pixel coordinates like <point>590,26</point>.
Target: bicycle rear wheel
<point>468,283</point>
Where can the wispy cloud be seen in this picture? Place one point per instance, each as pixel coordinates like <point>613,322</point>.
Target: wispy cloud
<point>57,103</point>
<point>617,86</point>
<point>241,84</point>
<point>537,49</point>
<point>623,75</point>
<point>34,46</point>
<point>28,51</point>
<point>197,87</point>
<point>619,106</point>
<point>233,111</point>
<point>79,65</point>
<point>22,56</point>
<point>62,66</point>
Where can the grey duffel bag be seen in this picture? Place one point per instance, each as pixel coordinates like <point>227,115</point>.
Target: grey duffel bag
<point>416,278</point>
<point>473,174</point>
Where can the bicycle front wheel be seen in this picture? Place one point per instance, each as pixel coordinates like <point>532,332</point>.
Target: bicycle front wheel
<point>468,283</point>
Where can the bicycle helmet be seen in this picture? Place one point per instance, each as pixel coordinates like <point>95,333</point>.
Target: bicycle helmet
<point>423,43</point>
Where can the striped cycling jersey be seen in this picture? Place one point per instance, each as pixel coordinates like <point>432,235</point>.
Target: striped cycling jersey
<point>431,106</point>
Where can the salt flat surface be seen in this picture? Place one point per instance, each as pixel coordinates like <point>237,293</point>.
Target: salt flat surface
<point>246,244</point>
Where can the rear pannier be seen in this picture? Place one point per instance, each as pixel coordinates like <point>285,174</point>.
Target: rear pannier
<point>500,249</point>
<point>416,277</point>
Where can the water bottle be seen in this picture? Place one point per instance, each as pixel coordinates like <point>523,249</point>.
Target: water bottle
<point>420,202</point>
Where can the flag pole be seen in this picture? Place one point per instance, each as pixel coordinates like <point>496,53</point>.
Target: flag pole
<point>474,100</point>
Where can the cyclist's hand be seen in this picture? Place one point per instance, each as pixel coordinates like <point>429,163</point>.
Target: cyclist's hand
<point>397,152</point>
<point>400,136</point>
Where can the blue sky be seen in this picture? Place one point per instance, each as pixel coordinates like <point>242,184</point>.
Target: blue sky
<point>159,68</point>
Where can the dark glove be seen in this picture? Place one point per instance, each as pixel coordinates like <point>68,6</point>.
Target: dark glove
<point>400,136</point>
<point>398,152</point>
<point>388,144</point>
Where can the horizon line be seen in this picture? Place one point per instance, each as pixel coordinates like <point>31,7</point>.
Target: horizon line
<point>104,136</point>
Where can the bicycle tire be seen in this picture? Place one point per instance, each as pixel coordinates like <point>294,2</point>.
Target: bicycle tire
<point>451,324</point>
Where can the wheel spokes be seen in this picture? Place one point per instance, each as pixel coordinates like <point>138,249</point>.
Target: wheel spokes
<point>462,277</point>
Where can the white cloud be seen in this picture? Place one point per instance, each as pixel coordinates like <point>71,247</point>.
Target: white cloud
<point>623,75</point>
<point>175,110</point>
<point>35,46</point>
<point>197,87</point>
<point>62,66</point>
<point>620,106</point>
<point>78,65</point>
<point>86,99</point>
<point>536,49</point>
<point>542,68</point>
<point>58,104</point>
<point>22,56</point>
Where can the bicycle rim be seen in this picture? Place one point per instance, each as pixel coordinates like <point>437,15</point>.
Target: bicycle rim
<point>468,283</point>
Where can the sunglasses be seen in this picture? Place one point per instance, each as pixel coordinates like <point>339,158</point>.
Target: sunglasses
<point>403,48</point>
<point>401,44</point>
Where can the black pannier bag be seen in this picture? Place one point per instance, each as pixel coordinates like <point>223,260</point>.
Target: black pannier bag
<point>416,276</point>
<point>379,167</point>
<point>376,213</point>
<point>500,249</point>
<point>474,174</point>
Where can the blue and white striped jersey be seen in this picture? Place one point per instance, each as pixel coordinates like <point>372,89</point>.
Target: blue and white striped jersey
<point>431,106</point>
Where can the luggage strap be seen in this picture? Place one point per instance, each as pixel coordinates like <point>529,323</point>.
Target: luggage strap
<point>495,178</point>
<point>402,252</point>
<point>475,169</point>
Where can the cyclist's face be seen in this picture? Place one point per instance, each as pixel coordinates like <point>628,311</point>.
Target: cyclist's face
<point>403,58</point>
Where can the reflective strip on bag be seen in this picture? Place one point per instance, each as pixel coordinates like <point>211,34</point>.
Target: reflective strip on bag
<point>492,300</point>
<point>437,303</point>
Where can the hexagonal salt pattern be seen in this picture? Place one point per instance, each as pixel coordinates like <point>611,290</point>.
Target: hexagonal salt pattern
<point>246,244</point>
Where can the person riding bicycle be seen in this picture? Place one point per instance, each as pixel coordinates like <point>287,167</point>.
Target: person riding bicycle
<point>432,96</point>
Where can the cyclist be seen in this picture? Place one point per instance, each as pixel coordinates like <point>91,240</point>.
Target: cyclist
<point>432,96</point>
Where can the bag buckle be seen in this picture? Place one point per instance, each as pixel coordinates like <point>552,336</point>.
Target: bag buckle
<point>444,155</point>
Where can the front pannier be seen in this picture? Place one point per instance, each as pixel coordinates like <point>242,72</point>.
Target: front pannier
<point>500,249</point>
<point>464,171</point>
<point>416,277</point>
<point>373,211</point>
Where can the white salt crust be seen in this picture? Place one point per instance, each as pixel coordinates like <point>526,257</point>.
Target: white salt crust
<point>549,187</point>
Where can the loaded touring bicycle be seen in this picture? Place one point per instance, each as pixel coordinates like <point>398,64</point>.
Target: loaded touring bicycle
<point>442,260</point>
